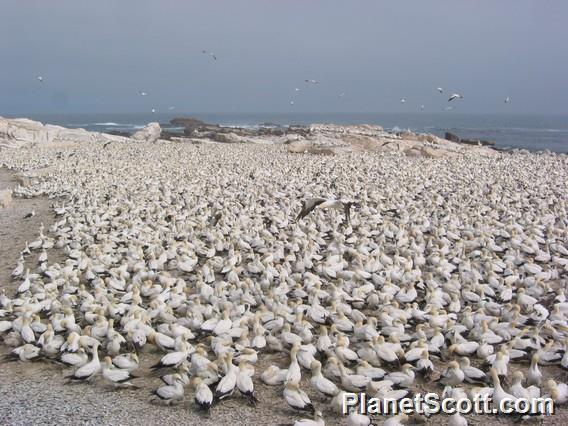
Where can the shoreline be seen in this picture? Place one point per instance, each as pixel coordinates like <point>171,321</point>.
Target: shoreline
<point>510,131</point>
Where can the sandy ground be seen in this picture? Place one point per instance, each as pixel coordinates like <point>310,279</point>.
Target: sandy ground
<point>37,393</point>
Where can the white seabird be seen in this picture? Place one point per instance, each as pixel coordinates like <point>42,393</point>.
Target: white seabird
<point>317,421</point>
<point>205,52</point>
<point>325,203</point>
<point>89,369</point>
<point>455,96</point>
<point>203,396</point>
<point>116,376</point>
<point>297,398</point>
<point>171,393</point>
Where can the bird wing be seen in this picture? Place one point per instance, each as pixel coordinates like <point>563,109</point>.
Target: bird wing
<point>308,206</point>
<point>118,375</point>
<point>226,385</point>
<point>204,394</point>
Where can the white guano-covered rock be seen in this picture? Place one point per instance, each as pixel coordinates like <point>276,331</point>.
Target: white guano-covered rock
<point>18,132</point>
<point>150,133</point>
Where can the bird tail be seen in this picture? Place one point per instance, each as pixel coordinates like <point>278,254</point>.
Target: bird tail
<point>251,399</point>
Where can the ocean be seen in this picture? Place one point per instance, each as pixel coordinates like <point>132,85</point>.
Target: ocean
<point>532,132</point>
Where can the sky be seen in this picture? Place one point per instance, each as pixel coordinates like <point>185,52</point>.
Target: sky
<point>96,56</point>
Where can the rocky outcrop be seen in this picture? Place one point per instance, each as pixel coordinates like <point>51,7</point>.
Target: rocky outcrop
<point>435,153</point>
<point>358,129</point>
<point>413,152</point>
<point>452,137</point>
<point>18,132</point>
<point>307,147</point>
<point>230,137</point>
<point>150,133</point>
<point>375,139</point>
<point>192,125</point>
<point>326,139</point>
<point>480,142</point>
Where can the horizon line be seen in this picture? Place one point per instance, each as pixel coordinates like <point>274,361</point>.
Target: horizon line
<point>24,114</point>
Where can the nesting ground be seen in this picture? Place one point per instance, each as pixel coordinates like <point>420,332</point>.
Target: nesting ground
<point>436,220</point>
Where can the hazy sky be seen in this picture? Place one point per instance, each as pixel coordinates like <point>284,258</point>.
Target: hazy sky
<point>95,56</point>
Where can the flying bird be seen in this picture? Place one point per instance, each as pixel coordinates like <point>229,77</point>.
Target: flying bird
<point>291,102</point>
<point>40,78</point>
<point>342,94</point>
<point>205,52</point>
<point>106,144</point>
<point>507,100</point>
<point>30,215</point>
<point>312,81</point>
<point>324,203</point>
<point>171,108</point>
<point>296,89</point>
<point>440,90</point>
<point>421,107</point>
<point>455,96</point>
<point>153,110</point>
<point>142,93</point>
<point>402,100</point>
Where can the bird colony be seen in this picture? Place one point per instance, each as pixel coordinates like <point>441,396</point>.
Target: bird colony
<point>404,275</point>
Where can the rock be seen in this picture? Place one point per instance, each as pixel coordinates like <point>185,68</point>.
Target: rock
<point>119,133</point>
<point>150,133</point>
<point>5,198</point>
<point>300,146</point>
<point>228,137</point>
<point>479,142</point>
<point>433,153</point>
<point>360,129</point>
<point>426,137</point>
<point>193,125</point>
<point>292,138</point>
<point>455,138</point>
<point>306,147</point>
<point>271,131</point>
<point>18,132</point>
<point>412,152</point>
<point>451,137</point>
<point>364,143</point>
